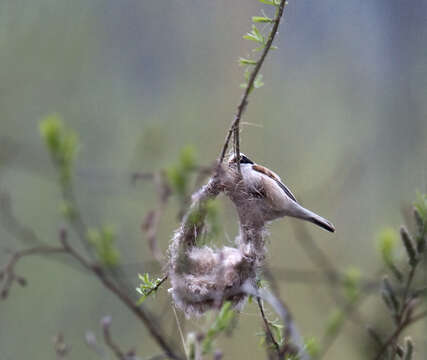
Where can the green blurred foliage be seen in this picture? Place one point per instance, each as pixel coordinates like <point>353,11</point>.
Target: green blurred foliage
<point>223,322</point>
<point>387,241</point>
<point>103,241</point>
<point>179,174</point>
<point>62,144</point>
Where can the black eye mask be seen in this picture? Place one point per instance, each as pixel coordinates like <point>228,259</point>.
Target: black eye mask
<point>245,160</point>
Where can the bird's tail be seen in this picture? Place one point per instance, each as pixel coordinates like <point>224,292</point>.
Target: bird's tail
<point>305,214</point>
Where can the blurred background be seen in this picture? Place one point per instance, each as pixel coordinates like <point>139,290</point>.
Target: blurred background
<point>342,118</point>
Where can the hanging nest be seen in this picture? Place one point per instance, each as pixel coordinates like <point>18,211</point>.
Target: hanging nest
<point>203,278</point>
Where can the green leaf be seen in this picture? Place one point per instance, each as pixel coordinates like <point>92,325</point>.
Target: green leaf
<point>244,61</point>
<point>267,2</point>
<point>255,35</point>
<point>258,82</point>
<point>261,19</point>
<point>147,287</point>
<point>251,37</point>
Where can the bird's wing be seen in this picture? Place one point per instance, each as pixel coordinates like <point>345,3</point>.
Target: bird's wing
<point>276,178</point>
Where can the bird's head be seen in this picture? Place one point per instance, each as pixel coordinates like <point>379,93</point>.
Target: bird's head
<point>243,159</point>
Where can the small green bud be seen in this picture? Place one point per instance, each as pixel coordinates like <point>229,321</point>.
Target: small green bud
<point>422,230</point>
<point>61,143</point>
<point>191,346</point>
<point>351,283</point>
<point>51,129</point>
<point>409,348</point>
<point>418,220</point>
<point>421,205</point>
<point>386,244</point>
<point>408,244</point>
<point>389,296</point>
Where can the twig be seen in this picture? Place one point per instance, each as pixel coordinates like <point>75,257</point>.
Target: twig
<point>155,288</point>
<point>293,343</point>
<point>151,222</point>
<point>138,311</point>
<point>398,330</point>
<point>61,348</point>
<point>268,332</point>
<point>100,274</point>
<point>235,125</point>
<point>404,307</point>
<point>105,324</point>
<point>11,224</point>
<point>8,271</point>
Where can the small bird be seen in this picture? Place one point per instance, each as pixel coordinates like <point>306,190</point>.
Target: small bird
<point>276,199</point>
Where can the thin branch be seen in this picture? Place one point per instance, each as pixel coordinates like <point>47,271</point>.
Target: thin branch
<point>137,310</point>
<point>8,271</point>
<point>404,316</point>
<point>9,275</point>
<point>151,222</point>
<point>235,125</point>
<point>61,348</point>
<point>268,332</point>
<point>155,288</point>
<point>293,343</point>
<point>11,224</point>
<point>106,323</point>
<point>398,331</point>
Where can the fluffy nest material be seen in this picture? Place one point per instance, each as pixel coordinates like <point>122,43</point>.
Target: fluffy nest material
<point>203,278</point>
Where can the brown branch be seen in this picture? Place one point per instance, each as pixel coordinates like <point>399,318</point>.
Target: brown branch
<point>235,125</point>
<point>137,310</point>
<point>9,275</point>
<point>151,222</point>
<point>8,271</point>
<point>293,343</point>
<point>11,224</point>
<point>402,326</point>
<point>106,323</point>
<point>61,348</point>
<point>404,316</point>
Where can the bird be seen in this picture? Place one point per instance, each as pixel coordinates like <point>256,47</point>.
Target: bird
<point>274,197</point>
